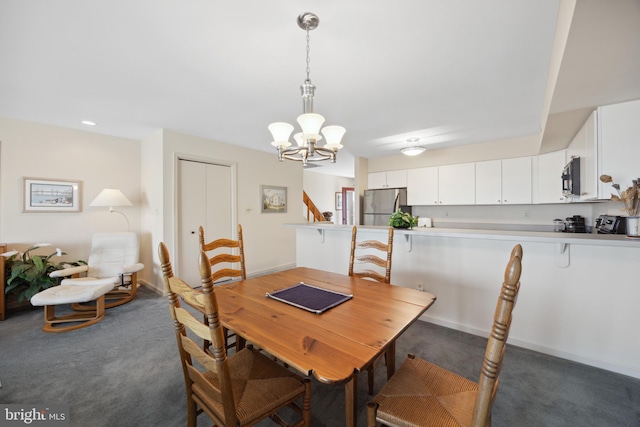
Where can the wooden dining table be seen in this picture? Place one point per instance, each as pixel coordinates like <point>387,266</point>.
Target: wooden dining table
<point>334,346</point>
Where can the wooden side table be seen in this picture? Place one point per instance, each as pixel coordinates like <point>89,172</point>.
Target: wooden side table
<point>3,249</point>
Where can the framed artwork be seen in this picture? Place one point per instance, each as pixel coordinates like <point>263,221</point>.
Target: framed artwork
<point>48,195</point>
<point>338,200</point>
<point>273,199</point>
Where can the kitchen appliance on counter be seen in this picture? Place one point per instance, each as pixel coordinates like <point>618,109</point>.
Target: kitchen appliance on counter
<point>611,224</point>
<point>380,204</point>
<point>575,224</point>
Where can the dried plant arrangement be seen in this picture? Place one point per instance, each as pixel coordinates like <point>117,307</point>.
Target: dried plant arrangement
<point>630,197</point>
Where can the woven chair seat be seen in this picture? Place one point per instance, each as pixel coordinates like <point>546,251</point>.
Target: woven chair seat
<point>421,393</point>
<point>259,386</point>
<point>420,390</point>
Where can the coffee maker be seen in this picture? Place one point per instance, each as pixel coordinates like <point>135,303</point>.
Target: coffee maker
<point>575,224</point>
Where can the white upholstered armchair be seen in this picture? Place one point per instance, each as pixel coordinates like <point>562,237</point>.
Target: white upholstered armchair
<point>113,260</point>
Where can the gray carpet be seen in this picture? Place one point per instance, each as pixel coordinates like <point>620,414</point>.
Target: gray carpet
<point>125,371</point>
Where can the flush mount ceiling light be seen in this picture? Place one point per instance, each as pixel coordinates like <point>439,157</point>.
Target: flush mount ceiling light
<point>88,123</point>
<point>310,122</point>
<point>413,150</point>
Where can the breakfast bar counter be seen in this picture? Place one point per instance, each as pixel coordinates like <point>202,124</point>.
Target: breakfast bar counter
<point>579,291</point>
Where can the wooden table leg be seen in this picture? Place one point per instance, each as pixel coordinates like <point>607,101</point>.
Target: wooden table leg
<point>351,398</point>
<point>391,359</point>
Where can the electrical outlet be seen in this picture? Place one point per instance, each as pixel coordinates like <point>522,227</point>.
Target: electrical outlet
<point>420,287</point>
<point>446,213</point>
<point>526,214</point>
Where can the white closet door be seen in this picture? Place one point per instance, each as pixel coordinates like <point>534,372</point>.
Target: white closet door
<point>204,200</point>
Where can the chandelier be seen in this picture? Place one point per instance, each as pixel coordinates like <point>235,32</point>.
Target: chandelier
<point>306,149</point>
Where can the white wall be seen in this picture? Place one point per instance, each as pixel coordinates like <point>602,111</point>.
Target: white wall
<point>585,312</point>
<point>322,188</point>
<point>268,244</point>
<point>42,151</point>
<point>145,172</point>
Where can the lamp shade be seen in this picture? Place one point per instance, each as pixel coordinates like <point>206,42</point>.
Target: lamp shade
<point>280,132</point>
<point>333,135</point>
<point>311,124</point>
<point>297,137</point>
<point>111,197</point>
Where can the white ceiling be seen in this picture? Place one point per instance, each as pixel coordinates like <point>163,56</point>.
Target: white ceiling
<point>450,72</point>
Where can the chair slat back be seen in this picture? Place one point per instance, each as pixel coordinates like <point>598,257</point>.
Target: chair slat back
<point>214,363</point>
<point>496,345</point>
<point>228,257</point>
<point>360,255</point>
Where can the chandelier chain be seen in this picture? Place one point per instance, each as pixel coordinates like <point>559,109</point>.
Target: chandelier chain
<point>308,60</point>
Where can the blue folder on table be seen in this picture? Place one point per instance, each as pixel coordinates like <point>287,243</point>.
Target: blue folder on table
<point>310,298</point>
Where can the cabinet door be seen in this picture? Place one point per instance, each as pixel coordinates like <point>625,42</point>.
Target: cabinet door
<point>397,179</point>
<point>456,184</point>
<point>547,174</point>
<point>422,186</point>
<point>489,182</point>
<point>377,180</point>
<point>619,147</point>
<point>516,181</point>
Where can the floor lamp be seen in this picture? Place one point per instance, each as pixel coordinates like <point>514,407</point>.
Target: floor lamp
<point>112,197</point>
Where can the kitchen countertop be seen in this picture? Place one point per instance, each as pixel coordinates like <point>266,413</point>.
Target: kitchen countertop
<point>592,239</point>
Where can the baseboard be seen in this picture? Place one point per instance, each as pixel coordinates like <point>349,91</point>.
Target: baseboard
<point>160,290</point>
<point>631,371</point>
<point>257,273</point>
<point>151,287</point>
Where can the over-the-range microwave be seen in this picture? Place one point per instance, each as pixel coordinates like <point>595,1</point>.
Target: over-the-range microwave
<point>571,178</point>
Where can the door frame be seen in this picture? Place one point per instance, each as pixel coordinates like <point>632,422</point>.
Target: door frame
<point>343,214</point>
<point>177,157</point>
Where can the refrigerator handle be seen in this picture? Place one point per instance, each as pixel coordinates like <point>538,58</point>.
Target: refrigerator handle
<point>395,203</point>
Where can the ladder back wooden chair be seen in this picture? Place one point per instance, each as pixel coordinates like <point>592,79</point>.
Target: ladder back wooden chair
<point>222,259</point>
<point>371,252</point>
<point>421,393</point>
<point>238,390</point>
<point>363,252</point>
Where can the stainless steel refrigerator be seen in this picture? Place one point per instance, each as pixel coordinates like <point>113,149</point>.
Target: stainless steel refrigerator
<point>380,204</point>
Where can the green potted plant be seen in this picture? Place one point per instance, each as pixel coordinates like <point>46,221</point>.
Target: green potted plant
<point>27,274</point>
<point>400,219</point>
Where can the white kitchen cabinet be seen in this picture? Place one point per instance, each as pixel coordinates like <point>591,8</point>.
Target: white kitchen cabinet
<point>456,184</point>
<point>584,145</point>
<point>506,182</point>
<point>489,182</point>
<point>618,145</point>
<point>422,186</point>
<point>516,181</point>
<point>387,179</point>
<point>547,181</point>
<point>377,180</point>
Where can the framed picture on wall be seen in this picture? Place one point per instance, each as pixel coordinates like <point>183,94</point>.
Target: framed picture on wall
<point>48,195</point>
<point>273,199</point>
<point>338,201</point>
